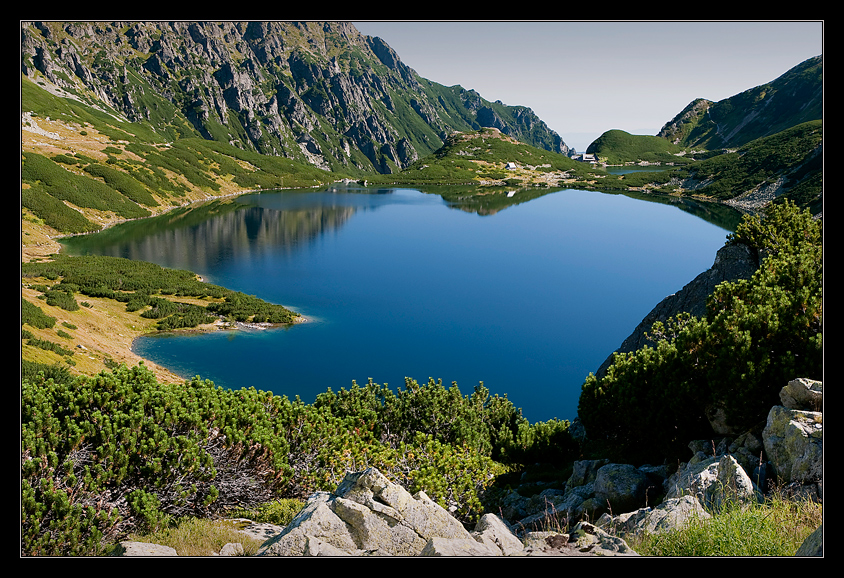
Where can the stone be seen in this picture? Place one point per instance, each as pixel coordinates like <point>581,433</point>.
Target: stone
<point>793,441</point>
<point>671,514</point>
<point>622,486</point>
<point>803,394</point>
<point>232,549</point>
<point>437,546</point>
<point>316,547</point>
<point>692,479</point>
<point>316,520</point>
<point>732,484</point>
<point>492,530</point>
<point>545,539</point>
<point>584,471</point>
<point>261,531</point>
<point>367,514</point>
<point>587,538</point>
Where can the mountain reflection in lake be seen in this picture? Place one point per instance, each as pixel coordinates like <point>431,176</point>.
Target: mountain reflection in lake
<point>528,299</point>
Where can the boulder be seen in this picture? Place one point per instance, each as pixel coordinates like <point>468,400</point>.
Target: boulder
<point>589,539</point>
<point>437,546</point>
<point>366,514</point>
<point>584,471</point>
<point>793,441</point>
<point>671,514</point>
<point>732,484</point>
<point>622,486</point>
<point>813,545</point>
<point>318,520</point>
<point>232,549</point>
<point>803,394</point>
<point>584,539</point>
<point>539,540</point>
<point>493,531</point>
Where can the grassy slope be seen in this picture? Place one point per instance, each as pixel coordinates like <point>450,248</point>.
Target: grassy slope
<point>616,147</point>
<point>103,335</point>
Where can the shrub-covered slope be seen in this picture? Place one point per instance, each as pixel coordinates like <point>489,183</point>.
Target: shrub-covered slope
<point>757,335</point>
<point>119,452</point>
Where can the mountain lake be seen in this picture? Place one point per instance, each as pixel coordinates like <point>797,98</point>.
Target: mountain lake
<point>528,297</point>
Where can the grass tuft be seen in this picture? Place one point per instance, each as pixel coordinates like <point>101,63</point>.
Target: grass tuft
<point>776,527</point>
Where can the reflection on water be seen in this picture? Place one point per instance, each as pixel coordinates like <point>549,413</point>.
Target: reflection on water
<point>528,300</point>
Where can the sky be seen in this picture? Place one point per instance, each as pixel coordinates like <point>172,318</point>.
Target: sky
<point>587,77</point>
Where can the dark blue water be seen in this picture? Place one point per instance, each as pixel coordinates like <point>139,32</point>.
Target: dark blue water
<point>398,284</point>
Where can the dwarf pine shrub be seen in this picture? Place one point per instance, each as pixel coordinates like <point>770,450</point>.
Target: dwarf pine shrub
<point>757,335</point>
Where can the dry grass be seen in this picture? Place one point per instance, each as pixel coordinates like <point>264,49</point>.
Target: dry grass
<point>199,537</point>
<point>105,332</point>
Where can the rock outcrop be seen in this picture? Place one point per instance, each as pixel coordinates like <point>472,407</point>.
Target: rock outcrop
<point>793,434</point>
<point>370,516</point>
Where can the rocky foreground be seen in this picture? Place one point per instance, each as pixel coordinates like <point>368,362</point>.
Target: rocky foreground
<point>368,515</point>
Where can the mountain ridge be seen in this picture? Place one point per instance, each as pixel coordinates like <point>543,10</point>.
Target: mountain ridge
<point>316,92</point>
<point>793,98</point>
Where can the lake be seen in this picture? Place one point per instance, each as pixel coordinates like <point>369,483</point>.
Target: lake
<point>527,298</point>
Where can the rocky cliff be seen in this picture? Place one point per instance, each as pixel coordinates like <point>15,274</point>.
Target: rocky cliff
<point>319,92</point>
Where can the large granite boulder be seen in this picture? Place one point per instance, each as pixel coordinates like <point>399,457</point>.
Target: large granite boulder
<point>367,514</point>
<point>713,481</point>
<point>622,486</point>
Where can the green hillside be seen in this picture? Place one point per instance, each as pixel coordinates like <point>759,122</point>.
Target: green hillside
<point>481,158</point>
<point>616,147</point>
<point>785,165</point>
<point>791,99</point>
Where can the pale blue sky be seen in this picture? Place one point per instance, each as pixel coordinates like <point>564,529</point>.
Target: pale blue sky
<point>586,77</point>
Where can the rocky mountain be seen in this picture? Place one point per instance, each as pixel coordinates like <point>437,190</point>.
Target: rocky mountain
<point>318,92</point>
<point>793,98</point>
